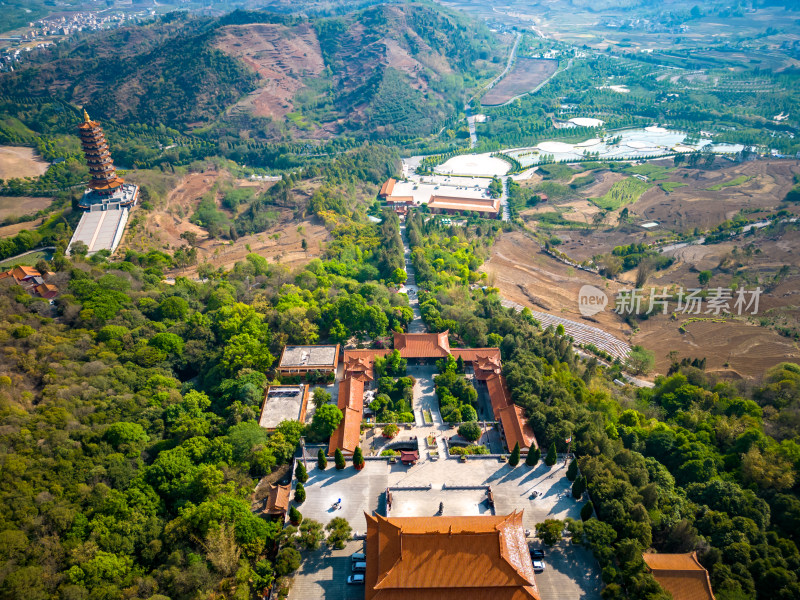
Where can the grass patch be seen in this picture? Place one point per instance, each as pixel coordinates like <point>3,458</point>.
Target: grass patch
<point>733,182</point>
<point>554,191</point>
<point>650,171</point>
<point>427,417</point>
<point>29,261</point>
<point>298,120</point>
<point>621,193</point>
<point>557,171</point>
<point>671,186</point>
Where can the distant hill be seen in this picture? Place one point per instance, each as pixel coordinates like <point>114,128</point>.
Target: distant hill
<point>397,70</point>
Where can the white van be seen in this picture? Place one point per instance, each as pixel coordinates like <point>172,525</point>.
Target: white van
<point>358,557</point>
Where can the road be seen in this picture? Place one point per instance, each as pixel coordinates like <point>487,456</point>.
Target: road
<point>511,57</point>
<point>417,325</point>
<point>473,136</point>
<point>701,240</point>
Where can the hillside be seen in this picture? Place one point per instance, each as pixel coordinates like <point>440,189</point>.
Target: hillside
<point>389,69</point>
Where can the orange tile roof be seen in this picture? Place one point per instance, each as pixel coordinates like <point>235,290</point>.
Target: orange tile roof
<point>351,402</point>
<point>512,417</point>
<point>681,575</point>
<point>46,290</point>
<point>490,205</point>
<point>278,500</point>
<point>448,558</point>
<point>22,272</point>
<point>400,199</point>
<point>422,345</point>
<point>387,187</point>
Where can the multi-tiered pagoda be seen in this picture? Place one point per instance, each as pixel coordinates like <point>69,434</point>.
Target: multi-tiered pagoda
<point>104,176</point>
<point>106,189</point>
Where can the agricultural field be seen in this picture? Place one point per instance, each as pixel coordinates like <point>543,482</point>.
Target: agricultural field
<point>526,75</point>
<point>18,206</point>
<point>19,162</point>
<point>528,276</point>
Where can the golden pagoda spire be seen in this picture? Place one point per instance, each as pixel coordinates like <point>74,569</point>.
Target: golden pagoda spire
<point>86,118</point>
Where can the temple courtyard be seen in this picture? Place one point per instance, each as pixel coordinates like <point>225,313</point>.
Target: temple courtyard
<point>571,571</point>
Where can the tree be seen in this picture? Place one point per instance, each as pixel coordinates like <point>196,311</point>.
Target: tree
<point>550,531</point>
<point>572,470</point>
<point>704,277</point>
<point>358,458</point>
<point>222,550</point>
<point>288,561</point>
<point>311,534</point>
<point>299,493</point>
<point>470,431</point>
<point>190,236</point>
<point>295,518</point>
<point>640,360</point>
<point>579,487</point>
<point>322,461</point>
<point>326,420</point>
<point>586,511</point>
<point>513,460</point>
<point>390,431</point>
<point>534,454</point>
<point>321,397</point>
<point>300,472</point>
<point>552,456</point>
<point>338,459</point>
<point>339,532</point>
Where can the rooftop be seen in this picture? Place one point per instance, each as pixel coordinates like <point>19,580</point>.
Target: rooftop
<point>465,204</point>
<point>283,403</point>
<point>387,187</point>
<point>309,356</point>
<point>278,500</point>
<point>681,575</point>
<point>422,345</point>
<point>351,402</point>
<point>433,558</point>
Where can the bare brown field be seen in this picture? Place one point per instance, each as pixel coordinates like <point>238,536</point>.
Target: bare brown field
<point>734,348</point>
<point>282,55</point>
<point>525,75</point>
<point>18,206</point>
<point>526,275</point>
<point>12,230</point>
<point>20,161</point>
<point>696,206</point>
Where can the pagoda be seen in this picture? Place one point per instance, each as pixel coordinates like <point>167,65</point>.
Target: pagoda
<point>106,189</point>
<point>95,148</point>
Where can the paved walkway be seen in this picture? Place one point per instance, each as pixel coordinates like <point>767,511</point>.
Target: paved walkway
<point>417,325</point>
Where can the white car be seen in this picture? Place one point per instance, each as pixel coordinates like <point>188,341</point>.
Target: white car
<point>358,557</point>
<point>357,579</point>
<point>538,566</point>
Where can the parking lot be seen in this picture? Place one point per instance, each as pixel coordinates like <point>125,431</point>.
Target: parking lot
<point>323,574</point>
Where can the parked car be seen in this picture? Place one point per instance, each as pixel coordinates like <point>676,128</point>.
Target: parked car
<point>359,567</point>
<point>537,554</point>
<point>538,566</point>
<point>358,557</point>
<point>357,579</point>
